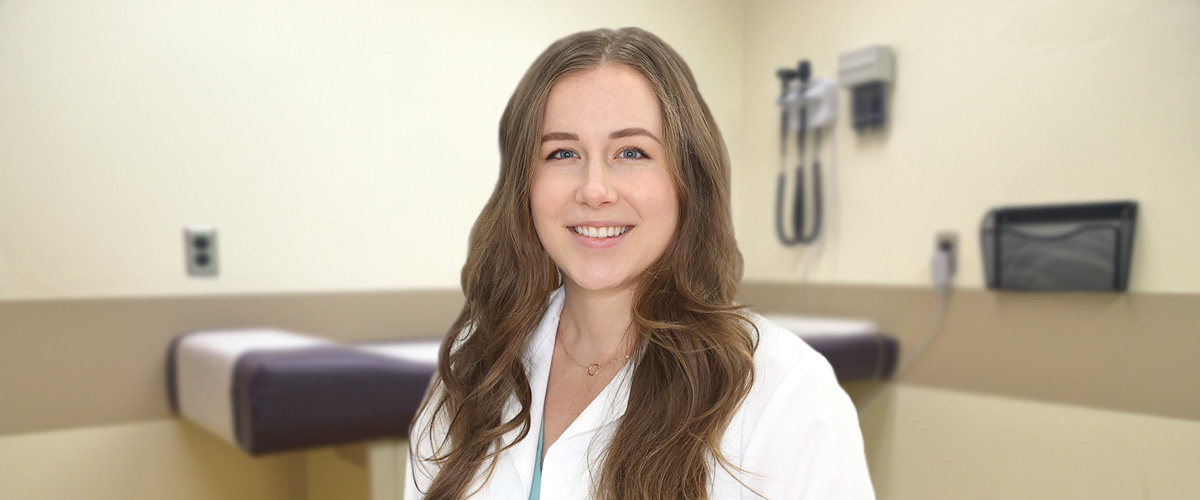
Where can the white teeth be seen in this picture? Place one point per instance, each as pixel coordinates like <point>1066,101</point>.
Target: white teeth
<point>601,232</point>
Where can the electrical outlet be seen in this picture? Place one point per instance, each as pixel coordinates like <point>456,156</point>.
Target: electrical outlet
<point>947,241</point>
<point>200,249</point>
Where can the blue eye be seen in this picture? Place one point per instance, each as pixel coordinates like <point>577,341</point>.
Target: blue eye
<point>561,154</point>
<point>633,154</point>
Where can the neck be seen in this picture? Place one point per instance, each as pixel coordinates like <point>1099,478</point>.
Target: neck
<point>594,324</point>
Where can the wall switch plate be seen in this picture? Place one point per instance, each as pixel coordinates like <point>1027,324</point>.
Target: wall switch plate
<point>200,249</point>
<point>947,241</point>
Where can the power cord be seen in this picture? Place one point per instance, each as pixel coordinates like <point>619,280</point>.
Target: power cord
<point>941,270</point>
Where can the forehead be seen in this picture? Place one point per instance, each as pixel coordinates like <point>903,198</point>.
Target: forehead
<point>600,100</point>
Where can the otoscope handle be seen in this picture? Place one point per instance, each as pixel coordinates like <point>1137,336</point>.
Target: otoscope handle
<point>817,204</point>
<point>798,204</point>
<point>779,231</point>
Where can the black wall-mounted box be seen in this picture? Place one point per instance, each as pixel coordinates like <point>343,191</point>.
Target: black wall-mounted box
<point>1080,247</point>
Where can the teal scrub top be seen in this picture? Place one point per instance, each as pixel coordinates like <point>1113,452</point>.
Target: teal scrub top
<point>537,465</point>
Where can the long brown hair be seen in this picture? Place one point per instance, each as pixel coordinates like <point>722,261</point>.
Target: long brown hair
<point>696,363</point>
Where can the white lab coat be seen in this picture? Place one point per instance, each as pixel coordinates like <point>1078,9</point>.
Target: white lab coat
<point>796,433</point>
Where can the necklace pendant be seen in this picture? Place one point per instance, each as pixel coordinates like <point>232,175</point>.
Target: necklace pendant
<point>593,369</point>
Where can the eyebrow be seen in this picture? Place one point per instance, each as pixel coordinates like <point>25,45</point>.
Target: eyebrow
<point>559,136</point>
<point>628,132</point>
<point>625,132</point>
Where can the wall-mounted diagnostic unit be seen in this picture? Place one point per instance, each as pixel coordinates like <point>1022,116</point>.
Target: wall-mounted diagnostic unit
<point>808,106</point>
<point>866,73</point>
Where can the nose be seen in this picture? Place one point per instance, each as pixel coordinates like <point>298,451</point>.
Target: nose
<point>597,188</point>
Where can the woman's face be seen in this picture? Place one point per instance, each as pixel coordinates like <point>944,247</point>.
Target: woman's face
<point>603,199</point>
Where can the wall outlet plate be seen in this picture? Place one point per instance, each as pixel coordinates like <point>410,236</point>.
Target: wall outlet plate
<point>200,250</point>
<point>947,241</point>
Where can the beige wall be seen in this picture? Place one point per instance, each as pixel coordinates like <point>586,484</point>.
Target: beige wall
<point>137,461</point>
<point>174,459</point>
<point>995,103</point>
<point>338,474</point>
<point>933,444</point>
<point>335,145</point>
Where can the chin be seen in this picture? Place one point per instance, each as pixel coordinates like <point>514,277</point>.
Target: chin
<point>603,282</point>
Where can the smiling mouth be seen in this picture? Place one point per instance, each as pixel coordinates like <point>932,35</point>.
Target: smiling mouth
<point>601,232</point>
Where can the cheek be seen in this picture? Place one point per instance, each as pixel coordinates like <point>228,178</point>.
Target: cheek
<point>542,203</point>
<point>670,211</point>
<point>669,199</point>
<point>660,198</point>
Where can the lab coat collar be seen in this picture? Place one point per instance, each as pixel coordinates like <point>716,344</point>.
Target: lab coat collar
<point>608,407</point>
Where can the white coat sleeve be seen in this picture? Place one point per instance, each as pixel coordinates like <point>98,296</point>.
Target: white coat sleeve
<point>806,443</point>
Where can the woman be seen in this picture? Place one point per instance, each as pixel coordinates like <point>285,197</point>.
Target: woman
<point>599,353</point>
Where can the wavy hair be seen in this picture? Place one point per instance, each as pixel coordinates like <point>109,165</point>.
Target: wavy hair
<point>696,349</point>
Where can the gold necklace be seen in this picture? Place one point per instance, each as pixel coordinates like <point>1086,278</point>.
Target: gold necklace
<point>593,368</point>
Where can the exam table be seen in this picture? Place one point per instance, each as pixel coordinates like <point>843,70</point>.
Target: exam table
<point>267,390</point>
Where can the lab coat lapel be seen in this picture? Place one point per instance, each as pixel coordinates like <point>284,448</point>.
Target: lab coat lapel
<point>538,354</point>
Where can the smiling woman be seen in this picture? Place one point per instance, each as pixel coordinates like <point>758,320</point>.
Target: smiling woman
<point>599,353</point>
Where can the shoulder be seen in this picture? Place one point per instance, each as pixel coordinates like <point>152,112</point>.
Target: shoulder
<point>797,432</point>
<point>783,360</point>
<point>788,375</point>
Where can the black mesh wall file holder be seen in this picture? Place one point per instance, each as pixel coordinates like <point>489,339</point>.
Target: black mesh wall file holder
<point>1059,247</point>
